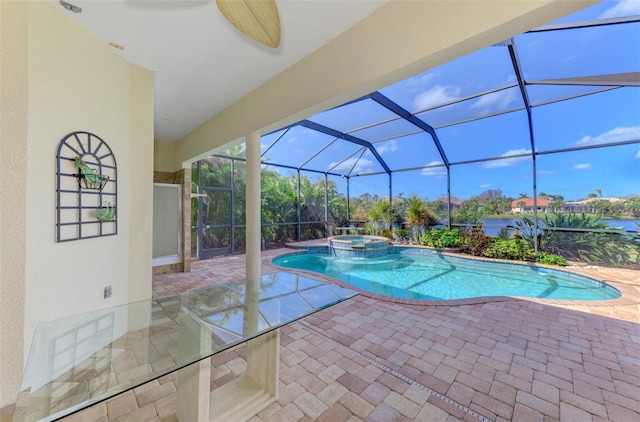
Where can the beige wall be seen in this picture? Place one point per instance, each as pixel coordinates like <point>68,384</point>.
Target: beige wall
<point>141,184</point>
<point>163,156</point>
<point>70,81</point>
<point>13,193</point>
<point>400,39</point>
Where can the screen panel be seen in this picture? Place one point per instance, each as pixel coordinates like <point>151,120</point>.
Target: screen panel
<point>454,80</point>
<point>596,119</point>
<point>409,151</point>
<point>498,136</point>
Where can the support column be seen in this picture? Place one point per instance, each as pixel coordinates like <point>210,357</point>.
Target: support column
<point>327,232</point>
<point>254,228</point>
<point>449,197</point>
<point>298,213</point>
<point>259,385</point>
<point>348,203</point>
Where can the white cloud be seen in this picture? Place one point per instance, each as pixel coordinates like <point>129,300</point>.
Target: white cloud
<point>617,134</point>
<point>388,146</point>
<point>622,8</point>
<point>495,101</point>
<point>584,166</point>
<point>437,95</point>
<point>363,165</point>
<point>485,185</point>
<point>507,162</point>
<point>638,155</point>
<point>546,172</point>
<point>423,79</point>
<point>434,171</point>
<point>512,78</point>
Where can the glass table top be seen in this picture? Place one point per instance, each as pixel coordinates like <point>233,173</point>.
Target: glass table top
<point>81,360</point>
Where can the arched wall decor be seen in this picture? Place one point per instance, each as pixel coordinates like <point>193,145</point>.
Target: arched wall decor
<point>86,188</point>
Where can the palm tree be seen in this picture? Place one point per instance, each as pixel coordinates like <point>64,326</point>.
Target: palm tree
<point>380,215</point>
<point>418,215</point>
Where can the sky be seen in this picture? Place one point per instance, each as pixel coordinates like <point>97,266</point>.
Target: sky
<point>447,98</point>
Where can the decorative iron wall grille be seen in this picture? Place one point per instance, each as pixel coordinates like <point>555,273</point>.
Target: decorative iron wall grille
<point>86,188</point>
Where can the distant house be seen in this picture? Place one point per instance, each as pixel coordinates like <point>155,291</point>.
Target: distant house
<point>576,207</point>
<point>525,205</point>
<point>585,205</point>
<point>455,202</point>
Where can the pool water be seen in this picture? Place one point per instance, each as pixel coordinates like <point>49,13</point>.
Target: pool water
<point>442,277</point>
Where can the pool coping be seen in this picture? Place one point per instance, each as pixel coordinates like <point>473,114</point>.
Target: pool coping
<point>629,292</point>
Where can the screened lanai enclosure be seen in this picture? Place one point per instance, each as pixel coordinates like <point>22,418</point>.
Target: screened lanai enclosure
<point>538,135</point>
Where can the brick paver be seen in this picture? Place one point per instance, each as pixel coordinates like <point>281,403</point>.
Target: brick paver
<point>377,360</point>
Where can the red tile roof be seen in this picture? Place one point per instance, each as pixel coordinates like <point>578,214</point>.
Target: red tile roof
<point>528,202</point>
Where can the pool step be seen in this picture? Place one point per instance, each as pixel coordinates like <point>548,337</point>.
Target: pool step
<point>357,244</point>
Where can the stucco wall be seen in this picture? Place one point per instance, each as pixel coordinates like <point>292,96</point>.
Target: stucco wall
<point>163,155</point>
<point>71,82</point>
<point>13,193</point>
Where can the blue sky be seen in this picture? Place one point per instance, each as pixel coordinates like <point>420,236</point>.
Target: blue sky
<point>440,98</point>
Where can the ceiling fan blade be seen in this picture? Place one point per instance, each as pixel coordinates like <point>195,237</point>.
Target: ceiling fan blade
<point>259,19</point>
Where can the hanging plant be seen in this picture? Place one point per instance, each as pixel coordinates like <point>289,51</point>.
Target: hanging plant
<point>89,177</point>
<point>106,212</point>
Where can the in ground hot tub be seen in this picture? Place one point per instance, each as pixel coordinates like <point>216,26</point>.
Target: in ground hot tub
<point>358,246</point>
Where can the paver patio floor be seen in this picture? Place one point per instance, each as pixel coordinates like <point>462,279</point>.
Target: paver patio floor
<point>375,360</point>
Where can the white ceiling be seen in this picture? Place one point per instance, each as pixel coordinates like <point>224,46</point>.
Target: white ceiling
<point>203,64</point>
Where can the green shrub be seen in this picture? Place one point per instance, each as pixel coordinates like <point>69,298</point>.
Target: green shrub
<point>441,238</point>
<point>551,259</point>
<point>474,241</point>
<point>515,249</point>
<point>403,234</point>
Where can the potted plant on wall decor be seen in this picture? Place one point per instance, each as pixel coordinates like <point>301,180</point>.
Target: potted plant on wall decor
<point>88,177</point>
<point>106,212</point>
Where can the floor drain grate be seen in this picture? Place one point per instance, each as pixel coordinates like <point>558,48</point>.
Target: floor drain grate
<point>398,374</point>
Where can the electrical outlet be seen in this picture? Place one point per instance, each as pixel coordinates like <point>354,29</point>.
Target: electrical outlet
<point>107,292</point>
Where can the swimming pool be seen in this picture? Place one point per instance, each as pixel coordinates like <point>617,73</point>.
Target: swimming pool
<point>436,276</point>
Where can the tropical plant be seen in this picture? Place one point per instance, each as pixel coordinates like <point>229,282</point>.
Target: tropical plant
<point>418,215</point>
<point>403,234</point>
<point>550,259</point>
<point>441,237</point>
<point>595,247</point>
<point>337,203</point>
<point>475,241</point>
<point>632,206</point>
<point>466,216</point>
<point>504,233</point>
<point>515,249</point>
<point>373,229</point>
<point>380,211</point>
